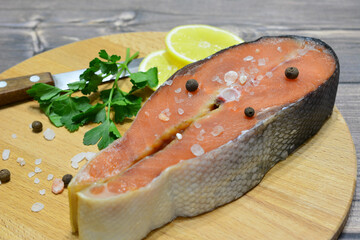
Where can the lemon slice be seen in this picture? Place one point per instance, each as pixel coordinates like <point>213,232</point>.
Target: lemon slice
<point>190,43</point>
<point>160,59</point>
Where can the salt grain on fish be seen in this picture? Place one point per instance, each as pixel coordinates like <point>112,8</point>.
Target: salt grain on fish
<point>248,58</point>
<point>177,90</point>
<point>261,62</point>
<point>180,111</point>
<point>217,130</point>
<point>179,136</point>
<point>230,77</point>
<point>197,150</point>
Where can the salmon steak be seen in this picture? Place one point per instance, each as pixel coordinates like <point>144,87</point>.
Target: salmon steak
<point>194,148</point>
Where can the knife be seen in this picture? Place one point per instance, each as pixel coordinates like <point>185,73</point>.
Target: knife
<point>14,89</point>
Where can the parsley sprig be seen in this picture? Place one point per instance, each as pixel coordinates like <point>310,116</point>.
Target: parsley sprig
<point>72,112</point>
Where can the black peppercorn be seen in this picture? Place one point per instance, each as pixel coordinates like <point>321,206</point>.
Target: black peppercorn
<point>291,72</point>
<point>191,85</point>
<point>66,179</point>
<point>4,175</point>
<point>36,126</point>
<point>249,111</point>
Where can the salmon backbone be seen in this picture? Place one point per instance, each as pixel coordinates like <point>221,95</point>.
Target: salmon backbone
<point>189,152</point>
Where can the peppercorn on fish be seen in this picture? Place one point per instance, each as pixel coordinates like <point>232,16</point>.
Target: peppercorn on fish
<point>187,153</point>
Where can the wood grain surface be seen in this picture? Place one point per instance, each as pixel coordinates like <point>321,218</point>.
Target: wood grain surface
<point>307,196</point>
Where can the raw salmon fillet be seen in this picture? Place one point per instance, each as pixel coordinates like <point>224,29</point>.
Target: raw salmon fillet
<point>187,153</point>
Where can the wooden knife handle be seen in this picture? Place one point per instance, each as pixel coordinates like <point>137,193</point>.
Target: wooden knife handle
<point>14,89</point>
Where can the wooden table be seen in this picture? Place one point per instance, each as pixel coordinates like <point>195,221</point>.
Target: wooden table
<point>31,27</point>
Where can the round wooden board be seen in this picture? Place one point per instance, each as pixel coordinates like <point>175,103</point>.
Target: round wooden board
<point>307,196</point>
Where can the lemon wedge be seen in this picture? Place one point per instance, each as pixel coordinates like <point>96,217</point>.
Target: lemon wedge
<point>160,59</point>
<point>190,43</point>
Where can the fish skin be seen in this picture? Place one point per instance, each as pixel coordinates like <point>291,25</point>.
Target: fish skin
<point>215,178</point>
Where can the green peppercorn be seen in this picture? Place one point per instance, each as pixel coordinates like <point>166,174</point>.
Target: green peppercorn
<point>249,111</point>
<point>36,126</point>
<point>66,179</point>
<point>191,85</point>
<point>291,72</point>
<point>4,175</point>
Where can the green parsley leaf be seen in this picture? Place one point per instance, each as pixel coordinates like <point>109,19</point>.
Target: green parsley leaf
<point>69,107</point>
<point>143,79</point>
<point>103,54</point>
<point>95,114</point>
<point>94,81</point>
<point>77,86</point>
<point>105,134</point>
<point>43,92</point>
<point>126,107</point>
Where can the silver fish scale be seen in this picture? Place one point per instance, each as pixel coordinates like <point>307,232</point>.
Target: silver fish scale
<point>228,172</point>
<point>199,185</point>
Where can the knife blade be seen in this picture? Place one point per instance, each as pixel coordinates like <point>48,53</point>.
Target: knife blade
<point>14,89</point>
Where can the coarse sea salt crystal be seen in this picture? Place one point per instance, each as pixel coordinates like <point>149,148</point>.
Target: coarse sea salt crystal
<point>49,134</point>
<point>6,154</point>
<point>31,174</point>
<point>90,155</point>
<point>42,191</point>
<point>261,62</point>
<point>279,49</point>
<point>38,161</point>
<point>162,116</point>
<point>197,150</point>
<point>179,136</point>
<point>230,77</point>
<point>147,113</point>
<point>21,161</point>
<point>178,90</point>
<point>36,180</point>
<point>180,111</point>
<point>179,100</point>
<point>200,137</point>
<point>13,136</point>
<point>248,58</point>
<point>242,79</point>
<point>190,95</point>
<point>229,94</point>
<point>50,177</point>
<point>216,79</point>
<point>37,207</point>
<point>78,157</point>
<point>75,165</point>
<point>197,125</point>
<point>217,130</point>
<point>38,170</point>
<point>257,50</point>
<point>269,74</point>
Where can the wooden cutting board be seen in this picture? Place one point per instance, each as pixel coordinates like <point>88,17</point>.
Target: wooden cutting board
<point>307,196</point>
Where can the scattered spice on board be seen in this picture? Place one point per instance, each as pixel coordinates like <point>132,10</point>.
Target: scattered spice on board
<point>4,175</point>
